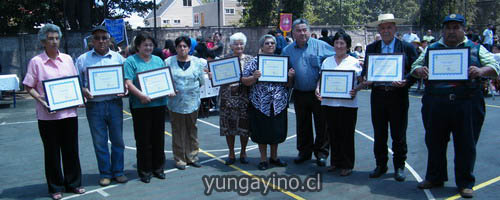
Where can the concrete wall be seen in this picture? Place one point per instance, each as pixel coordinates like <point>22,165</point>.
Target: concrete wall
<point>16,51</point>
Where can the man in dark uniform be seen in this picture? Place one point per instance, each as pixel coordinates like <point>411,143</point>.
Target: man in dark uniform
<point>454,106</point>
<point>389,101</point>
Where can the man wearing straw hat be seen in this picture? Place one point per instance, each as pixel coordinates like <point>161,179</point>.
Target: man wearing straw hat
<point>389,101</point>
<point>454,106</point>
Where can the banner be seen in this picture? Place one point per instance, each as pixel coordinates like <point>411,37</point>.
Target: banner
<point>116,29</point>
<point>286,22</point>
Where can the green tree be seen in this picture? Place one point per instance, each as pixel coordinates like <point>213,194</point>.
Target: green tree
<point>433,11</point>
<point>24,15</point>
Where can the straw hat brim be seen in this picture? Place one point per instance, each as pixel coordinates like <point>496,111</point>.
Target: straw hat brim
<point>376,23</point>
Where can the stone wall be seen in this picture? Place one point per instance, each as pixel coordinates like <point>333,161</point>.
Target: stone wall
<point>16,51</point>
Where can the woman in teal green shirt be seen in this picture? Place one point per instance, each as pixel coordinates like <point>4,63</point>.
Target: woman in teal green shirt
<point>148,115</point>
<point>187,72</point>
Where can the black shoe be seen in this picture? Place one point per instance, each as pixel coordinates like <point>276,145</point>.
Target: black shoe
<point>263,165</point>
<point>230,161</point>
<point>159,175</point>
<point>146,179</point>
<point>428,184</point>
<point>243,160</point>
<point>399,174</point>
<point>466,192</point>
<point>301,159</point>
<point>195,164</point>
<point>278,162</point>
<point>378,171</point>
<point>321,162</point>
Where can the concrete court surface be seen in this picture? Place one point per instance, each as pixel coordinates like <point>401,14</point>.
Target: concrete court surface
<point>22,168</point>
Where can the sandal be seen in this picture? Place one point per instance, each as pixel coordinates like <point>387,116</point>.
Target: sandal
<point>79,190</point>
<point>56,196</point>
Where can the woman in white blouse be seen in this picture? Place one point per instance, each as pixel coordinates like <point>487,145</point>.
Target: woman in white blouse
<point>341,114</point>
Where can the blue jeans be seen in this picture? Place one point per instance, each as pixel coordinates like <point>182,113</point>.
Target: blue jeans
<point>103,117</point>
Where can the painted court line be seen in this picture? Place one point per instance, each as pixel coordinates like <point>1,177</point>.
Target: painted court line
<point>234,166</point>
<point>477,187</point>
<point>427,192</point>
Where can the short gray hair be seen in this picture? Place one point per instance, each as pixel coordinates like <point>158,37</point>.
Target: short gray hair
<point>264,38</point>
<point>300,21</point>
<point>42,34</point>
<point>239,36</point>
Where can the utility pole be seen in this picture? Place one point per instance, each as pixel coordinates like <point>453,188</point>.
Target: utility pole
<point>154,18</point>
<point>218,15</point>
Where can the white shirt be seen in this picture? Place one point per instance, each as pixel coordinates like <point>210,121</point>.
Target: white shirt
<point>349,63</point>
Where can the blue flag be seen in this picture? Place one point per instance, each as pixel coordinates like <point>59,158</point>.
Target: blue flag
<point>116,28</point>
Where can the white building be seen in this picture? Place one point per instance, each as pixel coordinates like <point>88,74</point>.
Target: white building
<point>173,13</point>
<point>206,15</point>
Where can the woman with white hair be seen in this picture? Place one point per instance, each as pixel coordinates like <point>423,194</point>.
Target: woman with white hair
<point>58,130</point>
<point>268,107</point>
<point>234,104</point>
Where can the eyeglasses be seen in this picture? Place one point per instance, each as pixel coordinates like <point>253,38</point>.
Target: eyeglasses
<point>103,38</point>
<point>269,43</point>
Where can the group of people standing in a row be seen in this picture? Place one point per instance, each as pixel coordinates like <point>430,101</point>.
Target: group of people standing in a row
<point>258,110</point>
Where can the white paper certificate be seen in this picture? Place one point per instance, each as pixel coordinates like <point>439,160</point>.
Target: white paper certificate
<point>206,90</point>
<point>336,83</point>
<point>105,80</point>
<point>156,83</point>
<point>385,67</point>
<point>225,71</point>
<point>273,68</point>
<point>63,93</point>
<point>448,64</point>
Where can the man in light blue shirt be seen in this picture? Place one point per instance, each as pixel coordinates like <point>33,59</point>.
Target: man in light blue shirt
<point>306,55</point>
<point>488,37</point>
<point>104,113</point>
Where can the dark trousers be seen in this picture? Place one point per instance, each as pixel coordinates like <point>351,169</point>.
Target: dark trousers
<point>464,119</point>
<point>341,124</point>
<point>149,133</point>
<point>390,109</point>
<point>60,138</point>
<point>306,106</point>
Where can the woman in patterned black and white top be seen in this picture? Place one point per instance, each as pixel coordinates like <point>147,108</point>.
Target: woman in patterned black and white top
<point>268,109</point>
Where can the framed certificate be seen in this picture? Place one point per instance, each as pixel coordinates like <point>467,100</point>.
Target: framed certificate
<point>273,68</point>
<point>63,93</point>
<point>449,63</point>
<point>156,83</point>
<point>207,90</point>
<point>385,67</point>
<point>336,84</point>
<point>105,80</point>
<point>225,71</point>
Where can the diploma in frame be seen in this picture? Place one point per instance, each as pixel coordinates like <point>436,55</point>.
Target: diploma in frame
<point>63,93</point>
<point>336,84</point>
<point>156,83</point>
<point>449,63</point>
<point>105,80</point>
<point>225,71</point>
<point>273,68</point>
<point>385,67</point>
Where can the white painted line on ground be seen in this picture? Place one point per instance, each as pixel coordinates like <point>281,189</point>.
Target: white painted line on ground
<point>427,192</point>
<point>91,191</point>
<point>101,192</point>
<point>28,122</point>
